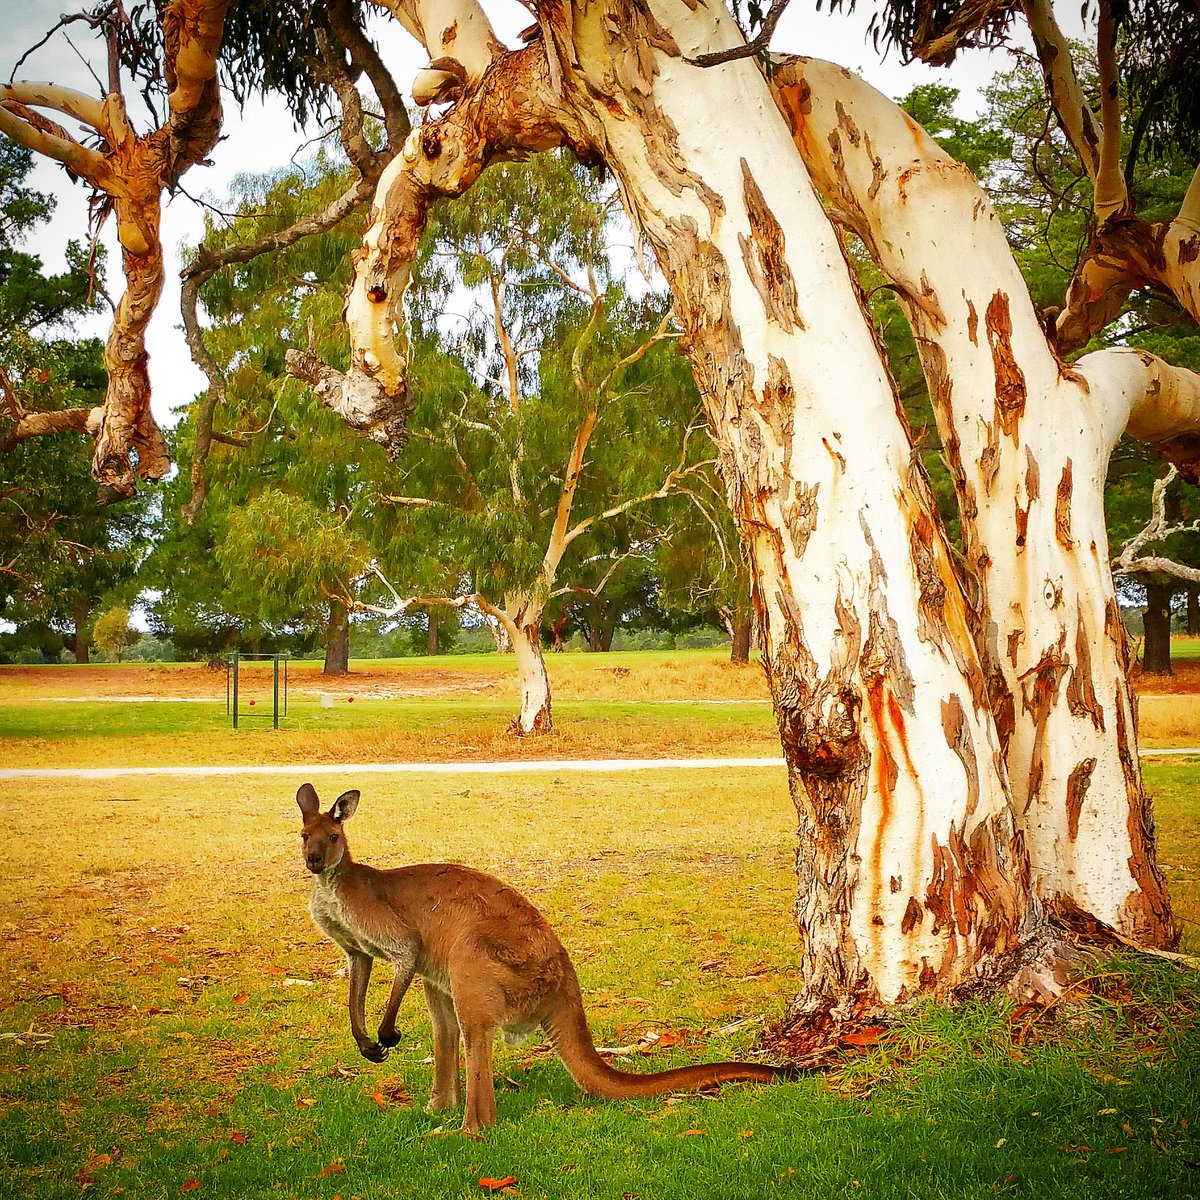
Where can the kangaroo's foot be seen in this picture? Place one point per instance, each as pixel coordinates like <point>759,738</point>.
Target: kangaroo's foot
<point>373,1051</point>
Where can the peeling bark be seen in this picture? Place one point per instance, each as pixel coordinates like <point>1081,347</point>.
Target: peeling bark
<point>816,474</point>
<point>1010,416</point>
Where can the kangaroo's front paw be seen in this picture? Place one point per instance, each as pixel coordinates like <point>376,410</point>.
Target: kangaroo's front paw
<point>388,1037</point>
<point>373,1052</point>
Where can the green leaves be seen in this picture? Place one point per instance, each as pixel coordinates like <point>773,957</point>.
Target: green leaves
<point>286,557</point>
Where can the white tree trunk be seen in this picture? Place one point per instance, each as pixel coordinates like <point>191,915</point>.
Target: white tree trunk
<point>1027,441</point>
<point>523,621</point>
<point>911,876</point>
<point>903,710</point>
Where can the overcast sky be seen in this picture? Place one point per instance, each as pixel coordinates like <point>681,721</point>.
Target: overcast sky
<point>262,138</point>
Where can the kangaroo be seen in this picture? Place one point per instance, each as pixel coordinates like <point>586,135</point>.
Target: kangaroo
<point>489,962</point>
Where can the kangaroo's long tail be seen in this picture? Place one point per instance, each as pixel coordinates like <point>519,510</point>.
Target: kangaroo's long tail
<point>571,1037</point>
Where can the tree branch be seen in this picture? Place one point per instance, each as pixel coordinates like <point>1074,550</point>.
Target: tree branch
<point>1111,199</point>
<point>42,136</point>
<point>1074,113</point>
<point>1131,560</point>
<point>757,45</point>
<point>65,100</point>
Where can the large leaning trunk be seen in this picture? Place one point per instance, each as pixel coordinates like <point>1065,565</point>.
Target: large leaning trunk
<point>1027,441</point>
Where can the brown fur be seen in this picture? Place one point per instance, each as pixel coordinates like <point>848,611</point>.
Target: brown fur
<point>489,962</point>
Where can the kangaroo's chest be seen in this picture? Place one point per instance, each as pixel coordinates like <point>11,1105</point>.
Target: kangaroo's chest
<point>354,934</point>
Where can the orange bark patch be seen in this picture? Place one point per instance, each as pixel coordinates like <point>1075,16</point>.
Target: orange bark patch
<point>1062,508</point>
<point>1010,379</point>
<point>765,257</point>
<point>1081,692</point>
<point>1077,786</point>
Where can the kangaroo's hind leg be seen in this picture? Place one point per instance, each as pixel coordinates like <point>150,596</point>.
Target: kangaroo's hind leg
<point>480,1109</point>
<point>447,1082</point>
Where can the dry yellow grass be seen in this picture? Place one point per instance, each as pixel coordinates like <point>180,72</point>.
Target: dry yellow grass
<point>666,675</point>
<point>1169,720</point>
<point>132,886</point>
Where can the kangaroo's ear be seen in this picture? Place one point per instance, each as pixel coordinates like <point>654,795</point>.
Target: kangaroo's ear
<point>306,797</point>
<point>344,806</point>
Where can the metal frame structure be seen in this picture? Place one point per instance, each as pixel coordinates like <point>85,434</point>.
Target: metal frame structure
<point>231,685</point>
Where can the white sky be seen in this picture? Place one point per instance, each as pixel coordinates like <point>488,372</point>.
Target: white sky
<point>262,138</point>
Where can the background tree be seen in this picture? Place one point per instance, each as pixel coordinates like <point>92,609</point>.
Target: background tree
<point>549,420</point>
<point>63,546</point>
<point>114,633</point>
<point>285,530</point>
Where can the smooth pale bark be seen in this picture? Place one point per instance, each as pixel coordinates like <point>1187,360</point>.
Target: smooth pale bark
<point>1027,441</point>
<point>523,619</point>
<point>912,876</point>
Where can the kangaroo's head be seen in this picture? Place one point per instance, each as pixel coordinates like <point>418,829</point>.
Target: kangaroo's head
<point>322,836</point>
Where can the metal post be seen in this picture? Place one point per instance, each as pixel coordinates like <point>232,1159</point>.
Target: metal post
<point>235,689</point>
<point>275,691</point>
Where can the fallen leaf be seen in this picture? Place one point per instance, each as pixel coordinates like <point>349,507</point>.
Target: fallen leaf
<point>869,1035</point>
<point>693,1133</point>
<point>191,1185</point>
<point>304,1102</point>
<point>334,1168</point>
<point>241,998</point>
<point>238,1139</point>
<point>1116,1149</point>
<point>1001,1143</point>
<point>746,1133</point>
<point>497,1185</point>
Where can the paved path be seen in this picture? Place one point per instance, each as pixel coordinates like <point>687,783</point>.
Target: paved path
<point>443,768</point>
<point>415,768</point>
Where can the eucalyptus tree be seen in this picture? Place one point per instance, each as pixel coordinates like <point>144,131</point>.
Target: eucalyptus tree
<point>64,547</point>
<point>959,734</point>
<point>553,413</point>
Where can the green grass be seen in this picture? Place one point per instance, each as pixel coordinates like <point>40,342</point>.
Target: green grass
<point>151,932</point>
<point>97,719</point>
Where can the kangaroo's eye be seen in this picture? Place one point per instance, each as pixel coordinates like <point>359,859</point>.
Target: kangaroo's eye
<point>304,837</point>
<point>333,837</point>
